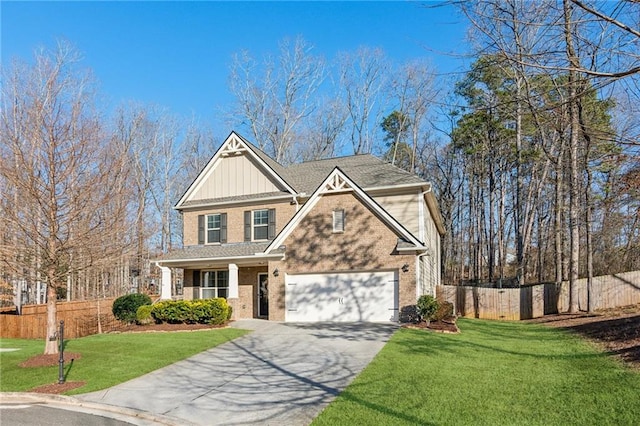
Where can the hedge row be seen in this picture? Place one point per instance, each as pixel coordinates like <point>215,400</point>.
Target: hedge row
<point>204,311</point>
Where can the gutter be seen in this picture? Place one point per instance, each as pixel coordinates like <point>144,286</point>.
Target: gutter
<point>222,259</point>
<point>244,202</point>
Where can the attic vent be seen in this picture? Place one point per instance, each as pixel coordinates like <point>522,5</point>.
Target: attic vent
<point>338,220</point>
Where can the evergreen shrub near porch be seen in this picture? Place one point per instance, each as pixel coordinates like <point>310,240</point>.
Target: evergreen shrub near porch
<point>203,311</point>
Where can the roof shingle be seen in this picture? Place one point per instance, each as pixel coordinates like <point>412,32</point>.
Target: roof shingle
<point>216,251</point>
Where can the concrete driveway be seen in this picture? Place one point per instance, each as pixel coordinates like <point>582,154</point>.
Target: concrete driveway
<point>282,374</point>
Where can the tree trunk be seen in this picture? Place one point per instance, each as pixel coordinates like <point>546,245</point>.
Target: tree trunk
<point>51,343</point>
<point>574,197</point>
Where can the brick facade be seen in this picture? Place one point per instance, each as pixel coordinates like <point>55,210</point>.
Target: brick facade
<point>235,220</point>
<point>366,244</point>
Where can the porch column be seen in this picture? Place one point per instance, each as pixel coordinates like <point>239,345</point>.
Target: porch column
<point>233,281</point>
<point>165,292</point>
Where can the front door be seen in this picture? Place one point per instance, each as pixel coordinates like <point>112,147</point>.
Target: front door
<point>263,295</point>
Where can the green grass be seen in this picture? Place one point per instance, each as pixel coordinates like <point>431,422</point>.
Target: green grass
<point>107,359</point>
<point>494,373</point>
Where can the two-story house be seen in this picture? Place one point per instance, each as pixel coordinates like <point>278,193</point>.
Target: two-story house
<point>342,239</point>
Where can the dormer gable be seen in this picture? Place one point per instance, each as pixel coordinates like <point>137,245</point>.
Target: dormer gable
<point>235,170</point>
<point>338,182</point>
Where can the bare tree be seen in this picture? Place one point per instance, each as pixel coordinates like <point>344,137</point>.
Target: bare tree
<point>413,88</point>
<point>56,160</point>
<point>274,98</point>
<point>363,74</point>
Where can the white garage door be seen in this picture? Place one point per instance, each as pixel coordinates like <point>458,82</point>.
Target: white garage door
<point>343,297</point>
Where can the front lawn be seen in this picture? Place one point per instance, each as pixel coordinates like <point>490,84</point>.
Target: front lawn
<point>106,359</point>
<point>493,373</point>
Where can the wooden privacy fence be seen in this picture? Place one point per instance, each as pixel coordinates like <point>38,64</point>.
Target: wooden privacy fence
<point>609,291</point>
<point>80,319</point>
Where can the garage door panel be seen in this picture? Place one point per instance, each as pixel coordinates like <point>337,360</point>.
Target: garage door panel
<point>346,297</point>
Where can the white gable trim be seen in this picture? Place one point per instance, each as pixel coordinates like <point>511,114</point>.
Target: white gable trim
<point>338,182</point>
<point>233,145</point>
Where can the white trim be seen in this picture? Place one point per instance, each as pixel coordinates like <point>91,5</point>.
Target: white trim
<point>239,202</point>
<point>421,227</point>
<point>396,187</point>
<point>165,293</point>
<point>254,226</point>
<point>256,256</point>
<point>411,249</point>
<point>328,186</point>
<point>233,281</point>
<point>215,288</point>
<point>234,144</point>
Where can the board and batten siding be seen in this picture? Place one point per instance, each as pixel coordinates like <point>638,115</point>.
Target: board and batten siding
<point>409,210</point>
<point>403,208</point>
<point>233,176</point>
<point>432,240</point>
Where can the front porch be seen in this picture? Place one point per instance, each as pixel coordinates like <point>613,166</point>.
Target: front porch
<point>238,272</point>
<point>246,288</point>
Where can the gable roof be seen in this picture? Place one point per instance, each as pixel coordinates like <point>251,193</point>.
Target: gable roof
<point>232,145</point>
<point>338,182</point>
<point>364,169</point>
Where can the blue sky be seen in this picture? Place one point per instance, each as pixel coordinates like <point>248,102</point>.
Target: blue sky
<point>177,54</point>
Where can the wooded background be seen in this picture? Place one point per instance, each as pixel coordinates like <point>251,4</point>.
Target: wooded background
<point>533,151</point>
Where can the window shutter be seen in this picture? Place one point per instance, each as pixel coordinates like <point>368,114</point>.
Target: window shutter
<point>223,227</point>
<point>196,278</point>
<point>200,229</point>
<point>271,232</point>
<point>247,226</point>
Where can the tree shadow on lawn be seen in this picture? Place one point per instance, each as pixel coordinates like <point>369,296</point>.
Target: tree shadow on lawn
<point>459,345</point>
<point>399,415</point>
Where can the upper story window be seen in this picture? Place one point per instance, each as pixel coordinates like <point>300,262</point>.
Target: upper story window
<point>338,221</point>
<point>212,228</point>
<point>259,225</point>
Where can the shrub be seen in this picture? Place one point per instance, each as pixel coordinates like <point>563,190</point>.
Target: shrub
<point>171,311</point>
<point>143,315</point>
<point>445,310</point>
<point>204,311</point>
<point>409,314</point>
<point>125,307</point>
<point>427,307</point>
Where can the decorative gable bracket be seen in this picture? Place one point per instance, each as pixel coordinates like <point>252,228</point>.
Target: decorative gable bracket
<point>336,183</point>
<point>233,147</point>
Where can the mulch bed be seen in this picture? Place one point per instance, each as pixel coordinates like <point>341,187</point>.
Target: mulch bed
<point>135,328</point>
<point>443,326</point>
<point>50,360</point>
<point>616,331</point>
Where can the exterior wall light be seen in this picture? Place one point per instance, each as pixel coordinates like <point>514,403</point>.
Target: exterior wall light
<point>405,267</point>
<point>276,272</point>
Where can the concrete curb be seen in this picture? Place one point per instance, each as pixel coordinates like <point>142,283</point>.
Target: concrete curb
<point>69,403</point>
